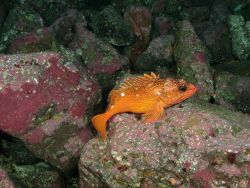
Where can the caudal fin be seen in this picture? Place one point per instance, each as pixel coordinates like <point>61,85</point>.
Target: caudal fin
<point>100,124</point>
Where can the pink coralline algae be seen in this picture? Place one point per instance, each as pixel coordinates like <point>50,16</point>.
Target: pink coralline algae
<point>178,150</point>
<point>41,98</point>
<point>5,181</point>
<point>98,56</point>
<point>200,57</point>
<point>34,41</point>
<point>205,176</point>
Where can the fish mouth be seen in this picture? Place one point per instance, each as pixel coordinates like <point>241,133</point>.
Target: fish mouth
<point>191,90</point>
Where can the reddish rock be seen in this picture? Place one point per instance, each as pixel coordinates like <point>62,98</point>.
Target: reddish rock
<point>5,181</point>
<point>140,19</point>
<point>177,150</point>
<point>205,176</point>
<point>19,22</point>
<point>35,41</point>
<point>163,25</point>
<point>135,50</point>
<point>46,104</point>
<point>98,56</point>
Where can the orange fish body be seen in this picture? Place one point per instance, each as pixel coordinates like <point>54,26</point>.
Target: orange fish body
<point>147,95</point>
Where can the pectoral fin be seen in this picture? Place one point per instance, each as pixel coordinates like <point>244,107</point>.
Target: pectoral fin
<point>155,113</point>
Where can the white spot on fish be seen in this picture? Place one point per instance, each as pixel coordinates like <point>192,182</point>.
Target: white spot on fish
<point>159,93</point>
<point>112,106</point>
<point>36,81</point>
<point>122,94</point>
<point>137,95</point>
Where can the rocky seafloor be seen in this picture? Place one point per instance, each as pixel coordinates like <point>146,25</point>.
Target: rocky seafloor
<point>60,59</point>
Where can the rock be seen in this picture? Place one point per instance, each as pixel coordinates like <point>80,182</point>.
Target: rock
<point>217,39</point>
<point>240,36</point>
<point>140,19</point>
<point>240,68</point>
<point>64,26</point>
<point>19,22</point>
<point>111,27</point>
<point>44,38</point>
<point>52,10</point>
<point>35,41</point>
<point>16,150</point>
<point>246,10</point>
<point>163,26</point>
<point>47,105</point>
<point>220,12</point>
<point>5,181</point>
<point>29,176</point>
<point>99,57</point>
<point>197,3</point>
<point>192,63</point>
<point>200,27</point>
<point>198,14</point>
<point>240,8</point>
<point>158,54</point>
<point>171,7</point>
<point>233,91</point>
<point>216,35</point>
<point>196,145</point>
<point>123,6</point>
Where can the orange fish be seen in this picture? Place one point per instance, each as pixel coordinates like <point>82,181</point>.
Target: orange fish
<point>147,95</point>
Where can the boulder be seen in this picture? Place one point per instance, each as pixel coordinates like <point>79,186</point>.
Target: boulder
<point>47,105</point>
<point>195,145</point>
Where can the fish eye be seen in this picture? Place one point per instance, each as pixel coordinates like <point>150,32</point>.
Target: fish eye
<point>182,88</point>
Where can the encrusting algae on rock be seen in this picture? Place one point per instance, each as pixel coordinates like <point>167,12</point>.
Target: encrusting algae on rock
<point>147,95</point>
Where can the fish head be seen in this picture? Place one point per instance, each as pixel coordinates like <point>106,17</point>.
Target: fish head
<point>176,90</point>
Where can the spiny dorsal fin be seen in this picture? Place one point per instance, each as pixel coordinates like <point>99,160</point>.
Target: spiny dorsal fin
<point>132,82</point>
<point>138,81</point>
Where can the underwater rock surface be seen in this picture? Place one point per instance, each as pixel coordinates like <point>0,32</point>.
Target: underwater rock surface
<point>29,176</point>
<point>240,36</point>
<point>5,181</point>
<point>158,54</point>
<point>47,105</point>
<point>35,41</point>
<point>195,145</point>
<point>233,91</point>
<point>192,63</point>
<point>98,56</point>
<point>19,22</point>
<point>110,26</point>
<point>140,19</point>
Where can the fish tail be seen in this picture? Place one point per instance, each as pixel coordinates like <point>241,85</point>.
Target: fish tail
<point>100,124</point>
